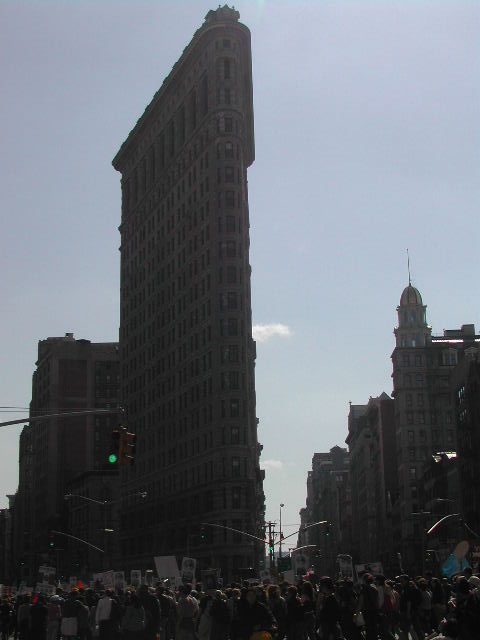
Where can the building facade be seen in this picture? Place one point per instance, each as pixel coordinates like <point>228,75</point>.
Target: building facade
<point>373,469</point>
<point>71,375</point>
<point>360,450</point>
<point>424,413</point>
<point>186,344</point>
<point>329,499</point>
<point>465,387</point>
<point>7,574</point>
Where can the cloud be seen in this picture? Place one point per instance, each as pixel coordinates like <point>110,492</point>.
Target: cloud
<point>270,465</point>
<point>263,332</point>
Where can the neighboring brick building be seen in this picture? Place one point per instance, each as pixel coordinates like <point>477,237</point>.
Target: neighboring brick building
<point>373,468</point>
<point>424,411</point>
<point>70,375</point>
<point>465,386</point>
<point>7,575</point>
<point>328,498</point>
<point>364,503</point>
<point>186,344</point>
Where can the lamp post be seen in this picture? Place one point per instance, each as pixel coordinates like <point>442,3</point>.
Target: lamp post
<point>280,533</point>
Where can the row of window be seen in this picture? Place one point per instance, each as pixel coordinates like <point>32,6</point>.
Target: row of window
<point>434,417</point>
<point>195,475</point>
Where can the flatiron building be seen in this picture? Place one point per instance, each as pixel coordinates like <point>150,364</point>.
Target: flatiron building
<point>186,347</point>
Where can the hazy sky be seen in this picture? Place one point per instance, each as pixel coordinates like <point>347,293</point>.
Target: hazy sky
<point>367,127</point>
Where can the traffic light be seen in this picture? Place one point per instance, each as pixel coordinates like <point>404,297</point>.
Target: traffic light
<point>203,537</point>
<point>114,451</point>
<point>51,542</point>
<point>128,443</point>
<point>271,547</point>
<point>327,529</point>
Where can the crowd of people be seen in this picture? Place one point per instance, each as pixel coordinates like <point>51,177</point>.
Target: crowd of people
<point>375,608</point>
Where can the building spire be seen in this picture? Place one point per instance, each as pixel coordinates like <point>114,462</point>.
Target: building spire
<point>408,265</point>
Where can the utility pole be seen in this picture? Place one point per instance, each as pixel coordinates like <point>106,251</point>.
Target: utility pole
<point>281,535</point>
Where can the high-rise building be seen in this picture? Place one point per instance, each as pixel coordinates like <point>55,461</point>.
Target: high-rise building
<point>71,375</point>
<point>373,473</point>
<point>424,412</point>
<point>466,393</point>
<point>329,499</point>
<point>186,347</point>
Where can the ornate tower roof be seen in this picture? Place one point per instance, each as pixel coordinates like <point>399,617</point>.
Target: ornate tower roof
<point>410,296</point>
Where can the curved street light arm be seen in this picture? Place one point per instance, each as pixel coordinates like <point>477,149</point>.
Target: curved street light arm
<point>442,521</point>
<point>308,526</point>
<point>449,518</point>
<point>67,496</point>
<point>67,535</point>
<point>244,533</point>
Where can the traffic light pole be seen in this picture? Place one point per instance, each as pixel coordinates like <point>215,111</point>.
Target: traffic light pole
<point>271,534</point>
<point>66,414</point>
<point>271,544</point>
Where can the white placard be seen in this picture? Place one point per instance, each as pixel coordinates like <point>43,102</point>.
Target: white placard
<point>189,566</point>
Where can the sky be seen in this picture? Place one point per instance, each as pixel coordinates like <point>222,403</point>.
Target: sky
<point>367,133</point>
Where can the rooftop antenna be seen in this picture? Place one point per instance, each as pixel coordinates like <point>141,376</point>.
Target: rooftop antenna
<point>408,264</point>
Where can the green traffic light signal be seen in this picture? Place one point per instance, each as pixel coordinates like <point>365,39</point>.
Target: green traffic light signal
<point>112,458</point>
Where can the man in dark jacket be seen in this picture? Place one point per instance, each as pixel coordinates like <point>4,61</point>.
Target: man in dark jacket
<point>152,612</point>
<point>369,606</point>
<point>254,616</point>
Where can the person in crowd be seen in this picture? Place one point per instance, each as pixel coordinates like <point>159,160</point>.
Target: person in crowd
<point>278,608</point>
<point>187,614</point>
<point>167,612</point>
<point>348,599</point>
<point>233,599</point>
<point>295,613</point>
<point>70,612</point>
<point>103,616</point>
<point>83,617</point>
<point>328,611</point>
<point>369,606</point>
<point>133,621</point>
<point>439,604</point>
<point>54,617</point>
<point>254,616</point>
<point>204,626</point>
<point>6,615</point>
<point>308,599</point>
<point>425,606</point>
<point>23,618</point>
<point>386,606</point>
<point>220,617</point>
<point>38,619</point>
<point>151,606</point>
